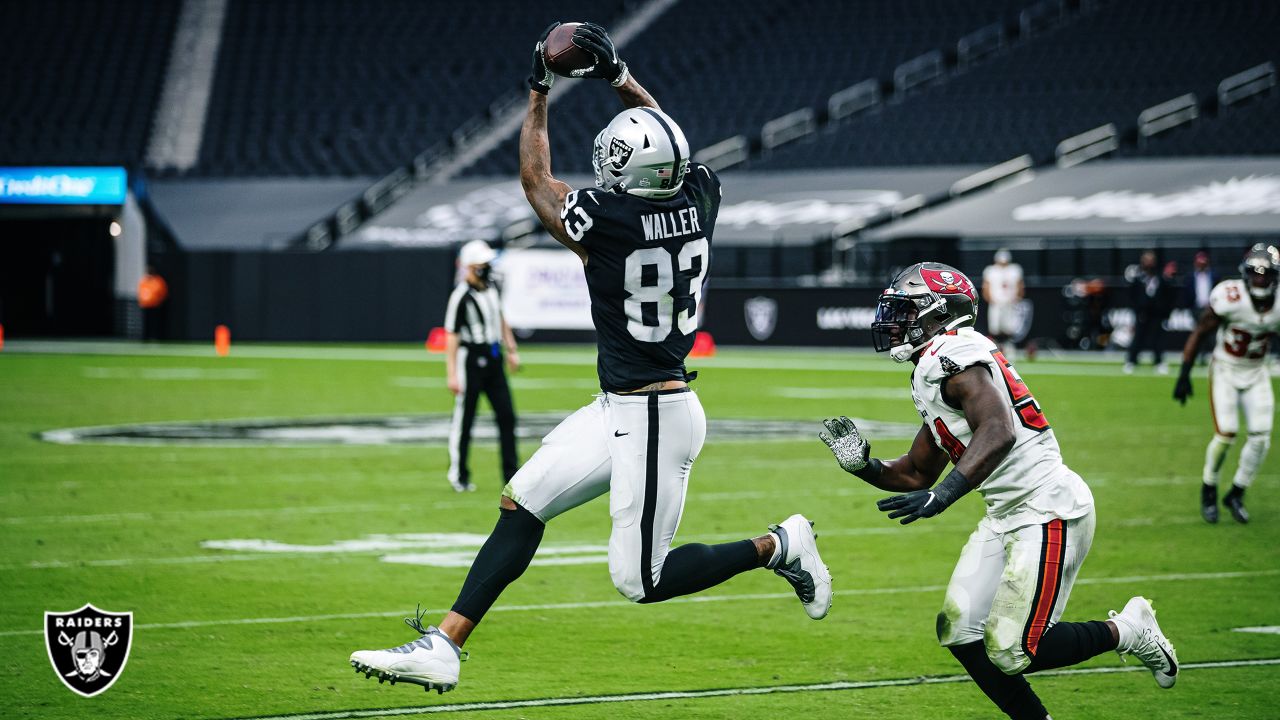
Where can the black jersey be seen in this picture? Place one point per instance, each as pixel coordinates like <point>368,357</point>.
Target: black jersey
<point>646,263</point>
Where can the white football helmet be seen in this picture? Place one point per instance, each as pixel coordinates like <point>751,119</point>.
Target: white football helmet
<point>641,152</point>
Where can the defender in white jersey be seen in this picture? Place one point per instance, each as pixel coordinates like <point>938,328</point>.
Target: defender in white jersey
<point>1243,311</point>
<point>1001,614</point>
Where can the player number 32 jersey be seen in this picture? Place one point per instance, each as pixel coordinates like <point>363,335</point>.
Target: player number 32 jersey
<point>1244,334</point>
<point>1032,484</point>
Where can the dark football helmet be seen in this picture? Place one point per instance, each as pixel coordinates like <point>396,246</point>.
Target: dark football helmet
<point>923,302</point>
<point>1261,273</point>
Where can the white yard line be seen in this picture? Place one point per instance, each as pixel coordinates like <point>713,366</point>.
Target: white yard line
<point>725,692</point>
<point>692,599</point>
<point>230,512</point>
<point>830,359</point>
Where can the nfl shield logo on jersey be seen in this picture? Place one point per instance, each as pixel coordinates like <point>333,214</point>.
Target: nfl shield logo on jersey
<point>761,315</point>
<point>88,647</point>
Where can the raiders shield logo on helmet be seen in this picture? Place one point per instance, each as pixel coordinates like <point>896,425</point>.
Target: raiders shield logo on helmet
<point>88,647</point>
<point>761,316</point>
<point>619,153</point>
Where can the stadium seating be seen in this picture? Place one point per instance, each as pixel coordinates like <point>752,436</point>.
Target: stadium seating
<point>1105,67</point>
<point>724,67</point>
<point>81,79</point>
<point>335,87</point>
<point>1250,126</point>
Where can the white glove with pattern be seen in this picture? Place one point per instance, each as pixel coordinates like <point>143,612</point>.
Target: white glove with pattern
<point>852,451</point>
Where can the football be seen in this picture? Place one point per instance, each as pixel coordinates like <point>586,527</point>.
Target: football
<point>561,54</point>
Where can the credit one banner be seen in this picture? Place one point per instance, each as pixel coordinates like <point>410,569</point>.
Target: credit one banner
<point>62,185</point>
<point>544,290</point>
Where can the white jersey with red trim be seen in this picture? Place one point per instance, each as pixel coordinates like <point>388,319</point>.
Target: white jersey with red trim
<point>1032,484</point>
<point>1244,333</point>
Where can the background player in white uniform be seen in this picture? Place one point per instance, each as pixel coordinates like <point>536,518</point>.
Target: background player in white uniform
<point>643,234</point>
<point>1002,289</point>
<point>1243,312</point>
<point>1014,576</point>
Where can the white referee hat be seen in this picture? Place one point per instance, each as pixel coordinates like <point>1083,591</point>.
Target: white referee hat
<point>476,252</point>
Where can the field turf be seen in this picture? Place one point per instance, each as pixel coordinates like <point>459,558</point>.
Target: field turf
<point>236,633</point>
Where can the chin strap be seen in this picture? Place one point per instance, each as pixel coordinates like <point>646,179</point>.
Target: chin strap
<point>903,352</point>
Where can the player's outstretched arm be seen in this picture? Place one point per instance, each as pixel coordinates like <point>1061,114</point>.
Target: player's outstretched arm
<point>544,193</point>
<point>608,66</point>
<point>919,468</point>
<point>1208,324</point>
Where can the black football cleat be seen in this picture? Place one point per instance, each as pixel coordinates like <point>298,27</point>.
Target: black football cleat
<point>1209,503</point>
<point>1234,500</point>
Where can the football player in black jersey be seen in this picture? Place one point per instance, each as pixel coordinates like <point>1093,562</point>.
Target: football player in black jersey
<point>644,236</point>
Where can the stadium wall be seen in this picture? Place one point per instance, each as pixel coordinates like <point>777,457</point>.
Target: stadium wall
<point>331,297</point>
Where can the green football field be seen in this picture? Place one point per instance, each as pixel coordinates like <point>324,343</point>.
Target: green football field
<point>253,570</point>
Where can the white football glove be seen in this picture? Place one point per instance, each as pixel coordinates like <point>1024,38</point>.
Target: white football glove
<point>852,451</point>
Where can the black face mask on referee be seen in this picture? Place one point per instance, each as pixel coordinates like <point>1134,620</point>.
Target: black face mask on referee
<point>475,359</point>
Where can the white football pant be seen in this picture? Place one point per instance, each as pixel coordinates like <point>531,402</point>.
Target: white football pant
<point>640,448</point>
<point>1231,391</point>
<point>1009,588</point>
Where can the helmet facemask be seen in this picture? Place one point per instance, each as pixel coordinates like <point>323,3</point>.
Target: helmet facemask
<point>906,323</point>
<point>607,176</point>
<point>1261,279</point>
<point>922,302</point>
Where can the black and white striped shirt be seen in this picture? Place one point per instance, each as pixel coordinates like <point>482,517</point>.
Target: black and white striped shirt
<point>475,315</point>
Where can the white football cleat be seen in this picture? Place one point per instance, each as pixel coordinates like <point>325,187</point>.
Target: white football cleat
<point>1148,644</point>
<point>799,564</point>
<point>432,661</point>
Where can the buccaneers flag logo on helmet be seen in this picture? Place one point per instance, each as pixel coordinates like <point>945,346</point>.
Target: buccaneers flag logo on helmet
<point>945,281</point>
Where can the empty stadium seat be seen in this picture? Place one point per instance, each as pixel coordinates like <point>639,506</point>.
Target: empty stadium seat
<point>81,79</point>
<point>1105,67</point>
<point>725,67</point>
<point>335,87</point>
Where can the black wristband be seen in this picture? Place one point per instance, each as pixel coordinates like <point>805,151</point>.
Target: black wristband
<point>952,488</point>
<point>1185,371</point>
<point>871,472</point>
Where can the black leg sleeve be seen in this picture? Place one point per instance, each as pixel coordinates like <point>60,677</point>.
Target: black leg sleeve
<point>695,567</point>
<point>1011,693</point>
<point>504,412</point>
<point>503,558</point>
<point>1069,643</point>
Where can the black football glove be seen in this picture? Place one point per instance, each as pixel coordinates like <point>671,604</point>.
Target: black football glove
<point>926,503</point>
<point>1182,389</point>
<point>592,38</point>
<point>541,77</point>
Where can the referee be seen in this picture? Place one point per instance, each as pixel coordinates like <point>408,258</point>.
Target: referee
<point>474,359</point>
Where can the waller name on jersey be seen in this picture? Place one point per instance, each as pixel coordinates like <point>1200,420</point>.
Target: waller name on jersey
<point>662,226</point>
